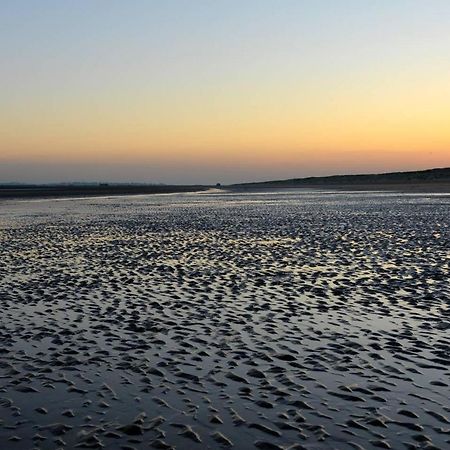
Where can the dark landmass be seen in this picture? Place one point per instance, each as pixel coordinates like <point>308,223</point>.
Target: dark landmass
<point>432,180</point>
<point>75,190</point>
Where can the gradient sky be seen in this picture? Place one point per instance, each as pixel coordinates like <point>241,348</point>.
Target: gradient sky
<point>221,90</point>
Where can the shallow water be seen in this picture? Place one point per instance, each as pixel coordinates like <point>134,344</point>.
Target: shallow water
<point>289,319</point>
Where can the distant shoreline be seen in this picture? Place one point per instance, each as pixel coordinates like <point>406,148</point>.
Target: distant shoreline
<point>20,192</point>
<point>422,181</point>
<point>431,188</point>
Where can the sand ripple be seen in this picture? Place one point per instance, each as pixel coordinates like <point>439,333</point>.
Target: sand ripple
<point>272,322</point>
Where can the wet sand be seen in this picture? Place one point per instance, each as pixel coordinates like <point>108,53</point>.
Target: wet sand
<point>294,319</point>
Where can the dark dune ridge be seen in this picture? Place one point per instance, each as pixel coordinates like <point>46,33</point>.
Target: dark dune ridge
<point>247,321</point>
<point>431,180</point>
<point>54,191</point>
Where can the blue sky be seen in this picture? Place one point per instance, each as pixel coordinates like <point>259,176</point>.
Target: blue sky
<point>195,87</point>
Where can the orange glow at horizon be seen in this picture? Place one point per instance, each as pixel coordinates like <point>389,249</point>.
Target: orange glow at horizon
<point>243,126</point>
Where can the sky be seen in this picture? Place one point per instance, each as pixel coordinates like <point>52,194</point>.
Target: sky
<point>196,91</point>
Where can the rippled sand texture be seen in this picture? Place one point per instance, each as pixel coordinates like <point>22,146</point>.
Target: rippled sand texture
<point>283,320</point>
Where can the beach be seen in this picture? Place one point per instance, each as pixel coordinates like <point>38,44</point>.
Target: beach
<point>295,318</point>
<point>410,187</point>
